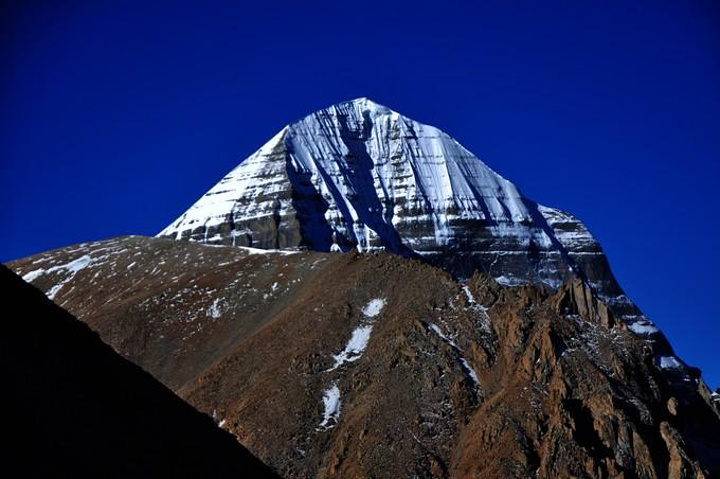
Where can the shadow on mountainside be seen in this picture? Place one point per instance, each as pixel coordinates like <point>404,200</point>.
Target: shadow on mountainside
<point>75,408</point>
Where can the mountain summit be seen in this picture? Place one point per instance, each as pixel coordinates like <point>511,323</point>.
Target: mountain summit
<point>360,175</point>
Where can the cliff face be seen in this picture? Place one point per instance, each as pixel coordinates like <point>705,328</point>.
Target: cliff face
<point>360,365</point>
<point>75,408</point>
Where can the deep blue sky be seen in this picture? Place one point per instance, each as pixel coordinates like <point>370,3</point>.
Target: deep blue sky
<point>116,116</point>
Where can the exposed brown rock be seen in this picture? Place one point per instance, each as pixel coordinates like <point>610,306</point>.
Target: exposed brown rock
<point>564,389</point>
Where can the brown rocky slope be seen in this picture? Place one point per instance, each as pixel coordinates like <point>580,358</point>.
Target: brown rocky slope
<point>372,365</point>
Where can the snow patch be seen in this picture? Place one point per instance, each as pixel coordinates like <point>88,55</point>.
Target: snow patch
<point>469,295</point>
<point>73,267</point>
<point>360,337</point>
<point>331,403</point>
<point>33,275</point>
<point>643,328</point>
<point>250,250</point>
<point>374,307</point>
<point>439,332</point>
<point>510,281</point>
<point>354,348</point>
<point>216,308</point>
<point>470,371</point>
<point>669,362</point>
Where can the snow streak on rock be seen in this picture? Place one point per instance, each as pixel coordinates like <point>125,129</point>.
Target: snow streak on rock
<point>353,351</point>
<point>669,362</point>
<point>360,337</point>
<point>354,348</point>
<point>332,403</point>
<point>466,366</point>
<point>483,318</point>
<point>373,308</point>
<point>643,328</point>
<point>71,269</point>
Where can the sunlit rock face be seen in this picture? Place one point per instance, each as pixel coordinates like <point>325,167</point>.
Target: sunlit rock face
<point>358,175</point>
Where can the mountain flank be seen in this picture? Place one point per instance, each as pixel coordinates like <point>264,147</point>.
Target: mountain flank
<point>375,365</point>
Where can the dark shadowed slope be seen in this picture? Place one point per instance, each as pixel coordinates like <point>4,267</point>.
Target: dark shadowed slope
<point>74,408</point>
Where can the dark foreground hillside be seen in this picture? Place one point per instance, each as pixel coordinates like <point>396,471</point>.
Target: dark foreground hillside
<point>72,407</point>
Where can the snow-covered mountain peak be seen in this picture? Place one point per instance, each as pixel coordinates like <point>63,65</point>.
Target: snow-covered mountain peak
<point>363,104</point>
<point>358,175</point>
<point>355,111</point>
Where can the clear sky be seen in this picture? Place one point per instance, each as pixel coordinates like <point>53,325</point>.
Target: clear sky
<point>116,116</point>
